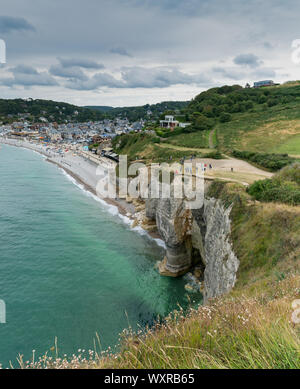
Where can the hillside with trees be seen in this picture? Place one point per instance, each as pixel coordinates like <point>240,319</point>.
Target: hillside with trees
<point>53,111</point>
<point>246,119</point>
<point>146,112</point>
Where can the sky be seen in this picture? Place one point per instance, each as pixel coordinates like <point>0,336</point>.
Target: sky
<point>135,52</point>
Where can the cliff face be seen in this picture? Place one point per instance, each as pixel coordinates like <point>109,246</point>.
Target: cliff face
<point>198,238</point>
<point>221,264</point>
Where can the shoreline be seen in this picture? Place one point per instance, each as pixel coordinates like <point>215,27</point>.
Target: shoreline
<point>88,182</point>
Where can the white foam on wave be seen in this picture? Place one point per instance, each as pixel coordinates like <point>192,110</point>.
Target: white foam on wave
<point>113,210</point>
<point>143,232</point>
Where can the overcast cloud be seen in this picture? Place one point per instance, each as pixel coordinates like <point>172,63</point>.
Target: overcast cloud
<point>128,52</point>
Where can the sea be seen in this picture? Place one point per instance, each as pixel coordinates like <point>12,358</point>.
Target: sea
<point>72,271</point>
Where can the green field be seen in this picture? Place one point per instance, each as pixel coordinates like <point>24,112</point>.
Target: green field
<point>291,146</point>
<point>198,140</point>
<point>275,130</point>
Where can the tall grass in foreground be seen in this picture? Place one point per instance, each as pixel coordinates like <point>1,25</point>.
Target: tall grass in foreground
<point>251,332</point>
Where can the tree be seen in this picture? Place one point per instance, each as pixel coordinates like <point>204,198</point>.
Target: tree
<point>225,117</point>
<point>202,123</point>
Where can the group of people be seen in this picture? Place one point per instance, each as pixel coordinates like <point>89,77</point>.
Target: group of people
<point>192,170</point>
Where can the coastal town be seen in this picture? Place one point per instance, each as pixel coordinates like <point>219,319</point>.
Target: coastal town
<point>88,139</point>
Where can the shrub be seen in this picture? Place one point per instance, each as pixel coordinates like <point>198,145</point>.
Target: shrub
<point>155,140</point>
<point>272,162</point>
<point>225,117</point>
<point>284,187</point>
<point>213,155</point>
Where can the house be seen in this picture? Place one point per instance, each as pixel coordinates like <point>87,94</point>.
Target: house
<point>260,84</point>
<point>169,122</point>
<point>183,125</point>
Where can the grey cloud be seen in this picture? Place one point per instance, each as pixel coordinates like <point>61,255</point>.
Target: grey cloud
<point>97,81</point>
<point>9,24</point>
<point>68,72</point>
<point>80,62</point>
<point>250,60</point>
<point>264,73</point>
<point>120,51</point>
<point>24,69</point>
<point>139,77</point>
<point>27,76</point>
<point>268,45</point>
<point>229,73</point>
<point>186,7</point>
<point>236,75</point>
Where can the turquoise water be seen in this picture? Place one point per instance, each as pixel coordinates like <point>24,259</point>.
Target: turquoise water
<point>68,268</point>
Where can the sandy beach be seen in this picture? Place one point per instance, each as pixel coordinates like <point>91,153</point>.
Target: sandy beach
<point>85,172</point>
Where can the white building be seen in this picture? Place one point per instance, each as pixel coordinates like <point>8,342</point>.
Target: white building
<point>169,122</point>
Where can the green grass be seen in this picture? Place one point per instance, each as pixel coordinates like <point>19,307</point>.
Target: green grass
<point>263,130</point>
<point>264,235</point>
<point>291,146</point>
<point>198,140</point>
<point>142,147</point>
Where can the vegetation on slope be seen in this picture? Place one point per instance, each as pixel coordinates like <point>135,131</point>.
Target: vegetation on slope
<point>271,162</point>
<point>284,187</point>
<point>272,126</point>
<point>265,236</point>
<point>257,119</point>
<point>146,147</point>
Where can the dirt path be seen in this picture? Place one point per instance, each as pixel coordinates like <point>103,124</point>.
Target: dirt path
<point>211,139</point>
<point>230,169</point>
<point>181,148</point>
<point>233,169</point>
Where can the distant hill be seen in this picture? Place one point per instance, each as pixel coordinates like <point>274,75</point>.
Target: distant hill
<point>32,110</point>
<point>102,108</point>
<point>148,111</point>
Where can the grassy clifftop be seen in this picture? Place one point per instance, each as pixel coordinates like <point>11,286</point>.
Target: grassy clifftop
<point>231,117</point>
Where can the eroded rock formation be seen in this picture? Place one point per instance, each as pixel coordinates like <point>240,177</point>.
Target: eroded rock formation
<point>198,238</point>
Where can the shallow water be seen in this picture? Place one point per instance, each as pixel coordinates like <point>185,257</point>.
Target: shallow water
<point>68,267</point>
